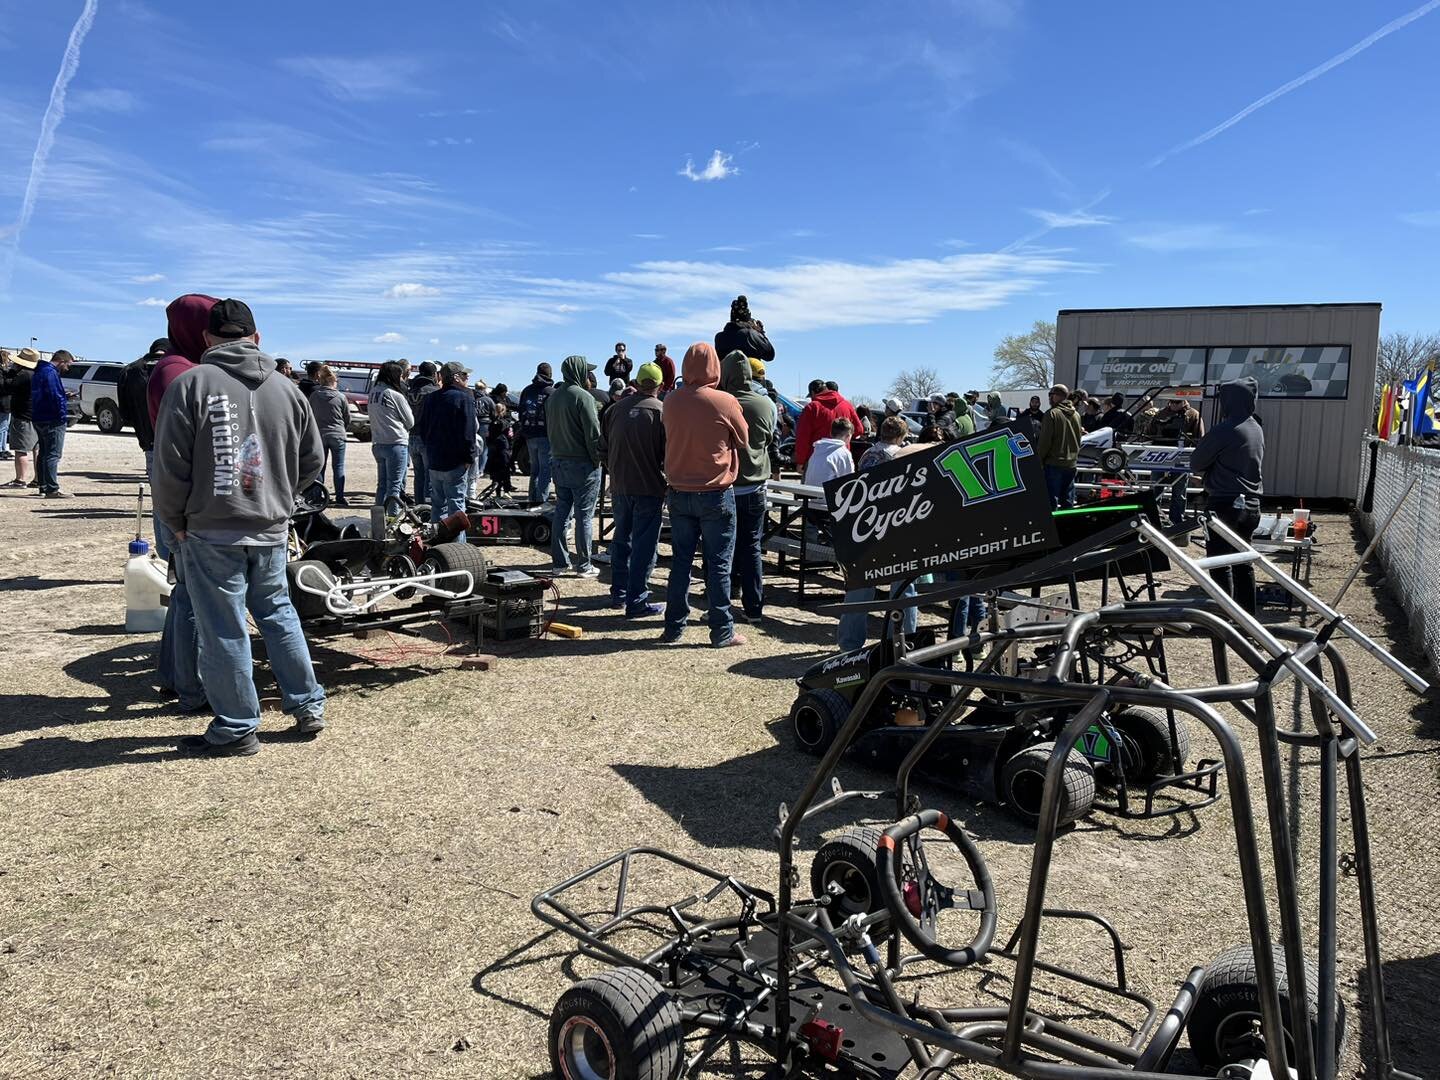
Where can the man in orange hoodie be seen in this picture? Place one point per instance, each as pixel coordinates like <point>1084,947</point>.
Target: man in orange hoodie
<point>705,434</point>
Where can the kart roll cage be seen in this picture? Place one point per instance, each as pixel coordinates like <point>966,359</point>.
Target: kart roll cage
<point>754,976</point>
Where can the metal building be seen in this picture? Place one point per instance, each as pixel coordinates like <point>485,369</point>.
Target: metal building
<point>1315,364</point>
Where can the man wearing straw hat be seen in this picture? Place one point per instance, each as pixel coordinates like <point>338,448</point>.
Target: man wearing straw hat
<point>22,429</point>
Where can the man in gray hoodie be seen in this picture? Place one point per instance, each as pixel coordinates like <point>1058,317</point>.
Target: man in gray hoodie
<point>759,413</point>
<point>1230,457</point>
<point>234,445</point>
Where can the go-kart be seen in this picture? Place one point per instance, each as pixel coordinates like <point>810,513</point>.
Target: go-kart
<point>999,750</point>
<point>499,517</point>
<point>836,980</point>
<point>342,573</point>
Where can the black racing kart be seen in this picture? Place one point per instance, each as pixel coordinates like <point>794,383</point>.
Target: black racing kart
<point>998,749</point>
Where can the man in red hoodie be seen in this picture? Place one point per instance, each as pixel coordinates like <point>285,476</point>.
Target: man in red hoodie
<point>817,417</point>
<point>705,434</point>
<point>179,661</point>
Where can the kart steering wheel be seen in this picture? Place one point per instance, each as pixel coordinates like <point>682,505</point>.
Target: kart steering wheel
<point>930,893</point>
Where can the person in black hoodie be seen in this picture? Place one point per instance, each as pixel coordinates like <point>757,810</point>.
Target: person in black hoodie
<point>425,382</point>
<point>1116,418</point>
<point>618,366</point>
<point>134,400</point>
<point>1230,457</point>
<point>532,427</point>
<point>744,333</point>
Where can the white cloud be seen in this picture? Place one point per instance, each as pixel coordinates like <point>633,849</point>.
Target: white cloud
<point>410,290</point>
<point>107,99</point>
<point>1069,219</point>
<point>434,341</point>
<point>1198,237</point>
<point>496,348</point>
<point>462,348</point>
<point>152,301</point>
<point>360,78</point>
<point>389,338</point>
<point>1425,219</point>
<point>148,279</point>
<point>817,295</point>
<point>719,167</point>
<point>648,236</point>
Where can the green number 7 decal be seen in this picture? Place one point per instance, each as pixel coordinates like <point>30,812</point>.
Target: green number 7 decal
<point>985,467</point>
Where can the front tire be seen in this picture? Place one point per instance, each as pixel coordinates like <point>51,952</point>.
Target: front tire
<point>849,861</point>
<point>1145,748</point>
<point>1022,784</point>
<point>1224,1026</point>
<point>620,1025</point>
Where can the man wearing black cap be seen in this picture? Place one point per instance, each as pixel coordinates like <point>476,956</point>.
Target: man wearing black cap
<point>235,443</point>
<point>447,428</point>
<point>532,427</point>
<point>425,383</point>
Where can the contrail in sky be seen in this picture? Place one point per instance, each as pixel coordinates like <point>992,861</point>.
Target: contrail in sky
<point>1314,73</point>
<point>54,113</point>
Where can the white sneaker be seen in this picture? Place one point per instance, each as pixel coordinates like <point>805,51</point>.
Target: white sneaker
<point>588,572</point>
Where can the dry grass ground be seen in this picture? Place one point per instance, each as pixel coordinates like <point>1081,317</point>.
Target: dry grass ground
<point>358,906</point>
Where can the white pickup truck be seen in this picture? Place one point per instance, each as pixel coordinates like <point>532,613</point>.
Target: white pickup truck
<point>97,385</point>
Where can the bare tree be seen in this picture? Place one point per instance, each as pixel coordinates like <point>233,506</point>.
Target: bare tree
<point>1403,356</point>
<point>1025,361</point>
<point>919,382</point>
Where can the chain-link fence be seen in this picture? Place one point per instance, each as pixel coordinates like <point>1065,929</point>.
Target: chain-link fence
<point>1410,549</point>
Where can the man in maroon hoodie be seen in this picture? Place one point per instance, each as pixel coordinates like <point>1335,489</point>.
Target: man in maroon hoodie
<point>818,416</point>
<point>179,661</point>
<point>705,433</point>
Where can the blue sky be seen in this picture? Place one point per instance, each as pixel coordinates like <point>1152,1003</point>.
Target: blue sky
<point>891,184</point>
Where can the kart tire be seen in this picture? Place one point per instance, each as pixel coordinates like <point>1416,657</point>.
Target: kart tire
<point>445,557</point>
<point>1022,784</point>
<point>1113,460</point>
<point>621,1024</point>
<point>816,718</point>
<point>538,533</point>
<point>307,605</point>
<point>1145,738</point>
<point>1224,1025</point>
<point>107,416</point>
<point>849,860</point>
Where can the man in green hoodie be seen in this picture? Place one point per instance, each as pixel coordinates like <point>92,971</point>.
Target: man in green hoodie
<point>1059,446</point>
<point>759,413</point>
<point>573,426</point>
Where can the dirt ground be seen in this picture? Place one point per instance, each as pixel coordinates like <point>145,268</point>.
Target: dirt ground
<point>358,906</point>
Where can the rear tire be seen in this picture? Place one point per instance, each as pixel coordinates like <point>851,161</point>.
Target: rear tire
<point>469,557</point>
<point>1224,1026</point>
<point>1022,784</point>
<point>620,1025</point>
<point>816,718</point>
<point>307,605</point>
<point>107,416</point>
<point>538,532</point>
<point>849,861</point>
<point>1145,744</point>
<point>1113,460</point>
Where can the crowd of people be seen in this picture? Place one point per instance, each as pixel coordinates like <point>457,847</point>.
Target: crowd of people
<point>232,436</point>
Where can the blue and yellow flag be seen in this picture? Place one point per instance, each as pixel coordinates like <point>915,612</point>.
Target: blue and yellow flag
<point>1423,420</point>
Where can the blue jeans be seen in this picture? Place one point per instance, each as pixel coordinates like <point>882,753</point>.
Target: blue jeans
<point>482,458</point>
<point>47,461</point>
<point>577,488</point>
<point>164,538</point>
<point>633,548</point>
<point>851,633</point>
<point>539,447</point>
<point>5,432</point>
<point>225,581</point>
<point>1060,483</point>
<point>390,460</point>
<point>749,558</point>
<point>178,665</point>
<point>419,468</point>
<point>447,493</point>
<point>701,518</point>
<point>335,452</point>
<point>969,614</point>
